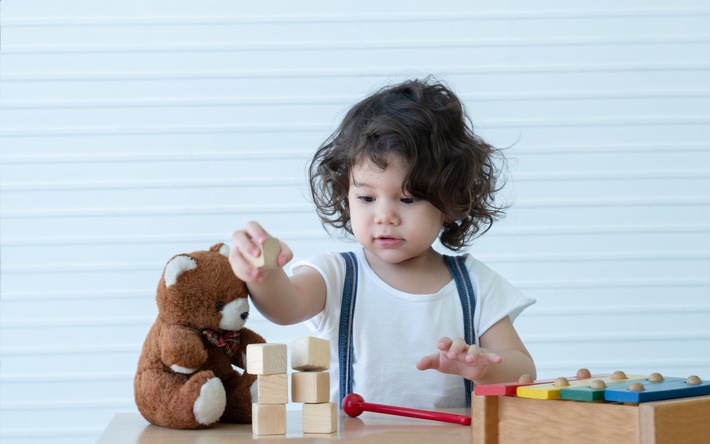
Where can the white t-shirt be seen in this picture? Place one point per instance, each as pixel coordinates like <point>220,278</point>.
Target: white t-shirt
<point>392,330</point>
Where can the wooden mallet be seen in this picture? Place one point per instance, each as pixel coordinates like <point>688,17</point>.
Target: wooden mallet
<point>354,405</point>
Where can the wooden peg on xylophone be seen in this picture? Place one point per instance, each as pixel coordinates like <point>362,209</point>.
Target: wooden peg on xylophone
<point>561,382</point>
<point>655,377</point>
<point>525,379</point>
<point>619,375</point>
<point>597,384</point>
<point>584,373</point>
<point>693,380</point>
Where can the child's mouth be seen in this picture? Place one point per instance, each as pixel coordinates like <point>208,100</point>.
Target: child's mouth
<point>387,241</point>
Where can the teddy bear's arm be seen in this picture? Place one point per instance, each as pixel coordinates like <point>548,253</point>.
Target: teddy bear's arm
<point>246,337</point>
<point>181,349</point>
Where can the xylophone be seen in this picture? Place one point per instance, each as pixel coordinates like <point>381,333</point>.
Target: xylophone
<point>599,408</point>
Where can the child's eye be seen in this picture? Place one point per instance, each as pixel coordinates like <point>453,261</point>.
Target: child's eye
<point>366,199</point>
<point>408,200</point>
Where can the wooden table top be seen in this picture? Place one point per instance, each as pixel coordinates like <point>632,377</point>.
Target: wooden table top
<point>128,428</point>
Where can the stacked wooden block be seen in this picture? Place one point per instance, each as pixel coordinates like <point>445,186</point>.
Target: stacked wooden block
<point>268,362</point>
<point>310,384</point>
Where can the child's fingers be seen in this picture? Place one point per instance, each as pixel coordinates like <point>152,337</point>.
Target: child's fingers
<point>444,344</point>
<point>430,362</point>
<point>473,353</point>
<point>457,346</point>
<point>241,267</point>
<point>243,241</point>
<point>494,358</point>
<point>256,232</point>
<point>476,353</point>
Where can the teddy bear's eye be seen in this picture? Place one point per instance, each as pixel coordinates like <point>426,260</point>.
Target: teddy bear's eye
<point>219,305</point>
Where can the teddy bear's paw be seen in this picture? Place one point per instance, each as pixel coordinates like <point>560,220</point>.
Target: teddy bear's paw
<point>209,406</point>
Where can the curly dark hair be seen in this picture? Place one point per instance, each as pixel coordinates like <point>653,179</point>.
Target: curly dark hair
<point>448,165</point>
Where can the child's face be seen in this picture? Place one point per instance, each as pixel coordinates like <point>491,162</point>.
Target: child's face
<point>386,221</point>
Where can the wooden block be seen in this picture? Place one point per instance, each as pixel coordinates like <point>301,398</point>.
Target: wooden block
<point>310,354</point>
<point>269,253</point>
<point>550,391</point>
<point>320,418</point>
<point>272,389</point>
<point>266,359</point>
<point>310,387</point>
<point>268,419</point>
<point>671,388</point>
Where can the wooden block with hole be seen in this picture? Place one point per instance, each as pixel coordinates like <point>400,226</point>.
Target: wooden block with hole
<point>268,419</point>
<point>266,359</point>
<point>268,255</point>
<point>272,389</point>
<point>320,418</point>
<point>310,354</point>
<point>310,387</point>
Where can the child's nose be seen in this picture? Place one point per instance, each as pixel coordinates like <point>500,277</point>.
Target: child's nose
<point>386,215</point>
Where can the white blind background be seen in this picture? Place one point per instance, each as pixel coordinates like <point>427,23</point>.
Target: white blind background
<point>132,131</point>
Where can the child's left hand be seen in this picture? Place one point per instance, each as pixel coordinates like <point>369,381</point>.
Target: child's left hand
<point>458,358</point>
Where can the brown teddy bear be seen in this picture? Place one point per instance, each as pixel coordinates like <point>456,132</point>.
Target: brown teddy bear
<point>185,378</point>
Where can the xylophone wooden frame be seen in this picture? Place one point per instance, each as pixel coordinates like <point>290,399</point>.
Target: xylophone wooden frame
<point>509,419</point>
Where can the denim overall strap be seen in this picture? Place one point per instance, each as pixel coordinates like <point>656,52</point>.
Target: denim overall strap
<point>345,333</point>
<point>457,268</point>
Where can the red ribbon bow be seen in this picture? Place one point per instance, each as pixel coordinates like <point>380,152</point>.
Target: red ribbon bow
<point>229,340</point>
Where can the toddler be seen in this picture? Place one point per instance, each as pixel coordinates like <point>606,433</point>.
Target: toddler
<point>407,325</point>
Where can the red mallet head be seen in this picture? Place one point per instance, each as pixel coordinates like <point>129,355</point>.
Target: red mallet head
<point>352,405</point>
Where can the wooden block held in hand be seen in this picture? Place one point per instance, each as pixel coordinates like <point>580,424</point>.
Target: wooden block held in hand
<point>269,253</point>
<point>310,354</point>
<point>272,389</point>
<point>268,419</point>
<point>310,387</point>
<point>266,359</point>
<point>320,418</point>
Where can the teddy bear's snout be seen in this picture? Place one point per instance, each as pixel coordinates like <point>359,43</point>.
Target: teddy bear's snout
<point>234,314</point>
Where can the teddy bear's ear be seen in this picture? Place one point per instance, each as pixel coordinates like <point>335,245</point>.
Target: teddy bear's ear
<point>177,266</point>
<point>222,248</point>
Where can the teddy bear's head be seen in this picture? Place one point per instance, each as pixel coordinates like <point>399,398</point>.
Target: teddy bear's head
<point>201,291</point>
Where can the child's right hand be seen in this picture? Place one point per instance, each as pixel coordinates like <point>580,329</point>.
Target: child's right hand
<point>456,357</point>
<point>249,240</point>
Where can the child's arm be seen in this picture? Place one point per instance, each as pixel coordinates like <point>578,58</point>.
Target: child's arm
<point>280,299</point>
<point>501,357</point>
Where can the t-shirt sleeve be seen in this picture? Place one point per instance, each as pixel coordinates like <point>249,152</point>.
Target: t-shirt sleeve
<point>496,298</point>
<point>331,267</point>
